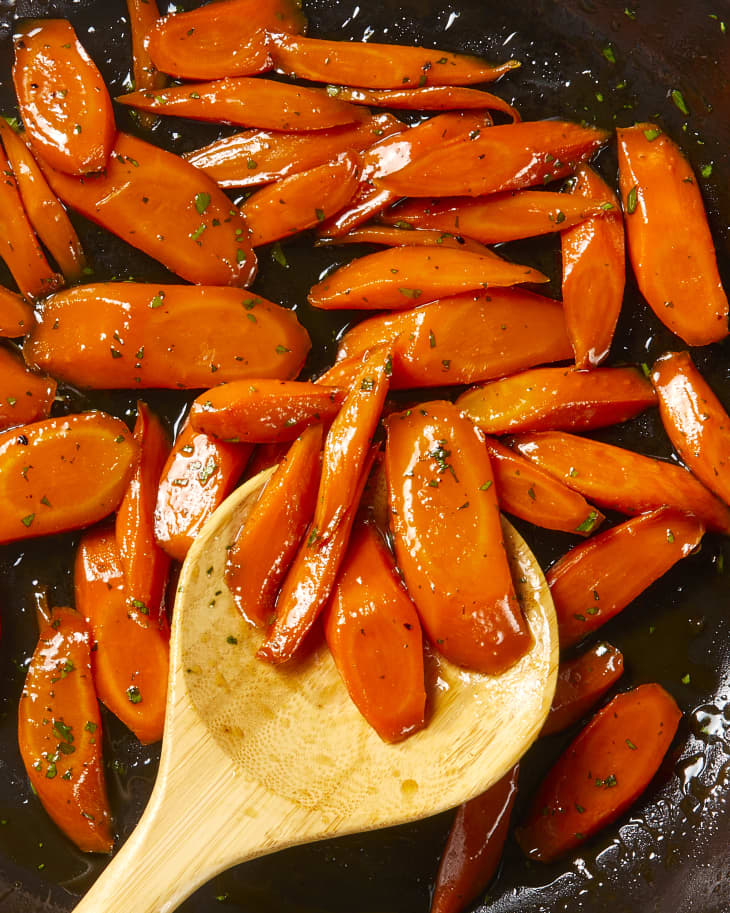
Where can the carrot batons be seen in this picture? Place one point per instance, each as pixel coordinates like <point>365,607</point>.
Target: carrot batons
<point>430,98</point>
<point>390,236</point>
<point>16,315</point>
<point>26,396</point>
<point>143,18</point>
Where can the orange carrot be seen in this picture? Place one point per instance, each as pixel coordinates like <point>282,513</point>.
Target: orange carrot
<point>403,237</point>
<point>143,18</point>
<point>16,315</point>
<point>264,456</point>
<point>26,396</point>
<point>430,98</point>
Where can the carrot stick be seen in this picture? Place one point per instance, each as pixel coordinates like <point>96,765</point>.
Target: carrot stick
<point>670,244</point>
<point>26,396</point>
<point>599,578</point>
<point>126,334</point>
<point>62,474</point>
<point>131,651</point>
<point>374,635</point>
<point>508,157</point>
<point>264,456</point>
<point>621,479</point>
<point>268,541</point>
<point>63,101</point>
<point>448,538</point>
<point>264,411</point>
<point>143,18</point>
<point>559,398</point>
<point>16,315</point>
<point>403,237</point>
<point>430,98</point>
<point>601,773</point>
<point>582,682</point>
<point>594,272</point>
<point>59,733</point>
<point>165,207</point>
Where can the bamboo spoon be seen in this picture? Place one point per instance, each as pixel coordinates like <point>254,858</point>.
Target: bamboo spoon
<point>256,758</point>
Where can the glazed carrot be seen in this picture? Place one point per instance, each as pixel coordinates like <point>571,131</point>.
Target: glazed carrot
<point>582,682</point>
<point>42,206</point>
<point>503,158</point>
<point>222,39</point>
<point>621,479</point>
<point>126,334</point>
<point>599,578</point>
<point>248,102</point>
<point>130,658</point>
<point>430,98</point>
<point>160,204</point>
<point>268,541</point>
<point>264,456</point>
<point>403,237</point>
<point>448,538</point>
<point>601,773</point>
<point>474,846</point>
<point>143,17</point>
<point>378,66</point>
<point>59,733</point>
<point>198,475</point>
<point>559,398</point>
<point>63,101</point>
<point>302,200</point>
<point>400,277</point>
<point>500,217</point>
<point>16,315</point>
<point>594,272</point>
<point>144,564</point>
<point>264,411</point>
<point>26,396</point>
<point>695,420</point>
<point>374,635</point>
<point>62,474</point>
<point>531,494</point>
<point>670,245</point>
<point>260,156</point>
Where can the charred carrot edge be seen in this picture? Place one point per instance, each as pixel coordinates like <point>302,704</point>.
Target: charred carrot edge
<point>27,396</point>
<point>430,98</point>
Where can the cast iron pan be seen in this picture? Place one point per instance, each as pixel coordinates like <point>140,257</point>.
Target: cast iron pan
<point>671,852</point>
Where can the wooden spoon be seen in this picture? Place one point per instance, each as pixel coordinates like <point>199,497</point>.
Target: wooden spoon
<point>257,758</point>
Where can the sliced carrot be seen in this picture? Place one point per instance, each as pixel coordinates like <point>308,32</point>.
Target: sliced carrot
<point>582,682</point>
<point>621,479</point>
<point>302,200</point>
<point>670,244</point>
<point>16,315</point>
<point>126,334</point>
<point>403,237</point>
<point>448,538</point>
<point>695,420</point>
<point>594,271</point>
<point>199,475</point>
<point>63,473</point>
<point>264,456</point>
<point>264,411</point>
<point>26,396</point>
<point>63,101</point>
<point>559,398</point>
<point>474,846</point>
<point>59,733</point>
<point>143,18</point>
<point>601,773</point>
<point>530,493</point>
<point>503,158</point>
<point>160,204</point>
<point>374,635</point>
<point>131,653</point>
<point>268,541</point>
<point>429,98</point>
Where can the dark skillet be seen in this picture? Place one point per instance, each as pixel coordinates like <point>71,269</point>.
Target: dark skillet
<point>671,853</point>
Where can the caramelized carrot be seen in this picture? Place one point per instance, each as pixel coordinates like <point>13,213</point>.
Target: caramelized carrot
<point>62,97</point>
<point>559,398</point>
<point>530,493</point>
<point>126,334</point>
<point>131,651</point>
<point>695,420</point>
<point>474,846</point>
<point>26,396</point>
<point>504,158</point>
<point>670,245</point>
<point>374,635</point>
<point>448,538</point>
<point>594,271</point>
<point>302,200</point>
<point>62,474</point>
<point>430,98</point>
<point>621,479</point>
<point>264,411</point>
<point>582,682</point>
<point>160,204</point>
<point>59,733</point>
<point>601,773</point>
<point>403,237</point>
<point>16,315</point>
<point>267,542</point>
<point>264,456</point>
<point>599,578</point>
<point>198,475</point>
<point>143,18</point>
